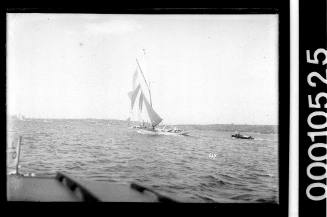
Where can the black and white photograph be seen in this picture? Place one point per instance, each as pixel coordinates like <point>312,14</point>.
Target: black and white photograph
<point>143,107</point>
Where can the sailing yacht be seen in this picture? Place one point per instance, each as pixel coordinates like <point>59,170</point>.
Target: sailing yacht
<point>140,97</point>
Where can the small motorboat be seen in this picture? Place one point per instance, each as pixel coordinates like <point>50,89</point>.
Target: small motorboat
<point>240,136</point>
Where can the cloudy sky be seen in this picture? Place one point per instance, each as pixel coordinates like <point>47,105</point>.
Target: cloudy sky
<point>203,69</point>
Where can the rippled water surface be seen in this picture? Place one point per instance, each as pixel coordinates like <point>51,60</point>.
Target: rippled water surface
<point>207,166</point>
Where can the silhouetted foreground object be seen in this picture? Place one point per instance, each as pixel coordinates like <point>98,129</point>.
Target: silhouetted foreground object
<point>65,188</point>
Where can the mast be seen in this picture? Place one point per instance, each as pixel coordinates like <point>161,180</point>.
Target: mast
<point>144,80</point>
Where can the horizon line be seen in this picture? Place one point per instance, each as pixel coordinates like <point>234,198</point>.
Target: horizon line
<point>9,116</point>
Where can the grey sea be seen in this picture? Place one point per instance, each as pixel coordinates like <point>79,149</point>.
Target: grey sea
<point>207,166</point>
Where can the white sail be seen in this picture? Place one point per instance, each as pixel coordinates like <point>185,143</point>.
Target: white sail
<point>143,82</point>
<point>148,115</point>
<point>135,76</point>
<point>133,94</point>
<point>140,95</point>
<point>155,119</point>
<point>141,101</point>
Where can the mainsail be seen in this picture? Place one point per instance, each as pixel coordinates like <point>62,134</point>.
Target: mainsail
<point>141,101</point>
<point>154,117</point>
<point>135,78</point>
<point>133,94</point>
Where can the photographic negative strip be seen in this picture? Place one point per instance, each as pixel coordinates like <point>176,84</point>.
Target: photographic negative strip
<point>171,105</point>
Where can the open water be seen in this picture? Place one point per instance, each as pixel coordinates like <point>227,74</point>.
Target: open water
<point>207,166</point>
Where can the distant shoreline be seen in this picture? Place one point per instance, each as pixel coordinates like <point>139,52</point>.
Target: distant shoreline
<point>110,119</point>
<point>264,128</point>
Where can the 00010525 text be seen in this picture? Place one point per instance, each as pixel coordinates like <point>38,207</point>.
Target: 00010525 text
<point>319,110</point>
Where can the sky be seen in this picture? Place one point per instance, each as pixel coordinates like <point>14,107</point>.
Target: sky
<point>202,69</point>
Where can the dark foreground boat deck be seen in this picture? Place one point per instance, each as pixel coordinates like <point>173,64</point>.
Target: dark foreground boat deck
<point>65,188</point>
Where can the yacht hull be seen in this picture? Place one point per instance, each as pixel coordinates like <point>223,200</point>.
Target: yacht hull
<point>159,132</point>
